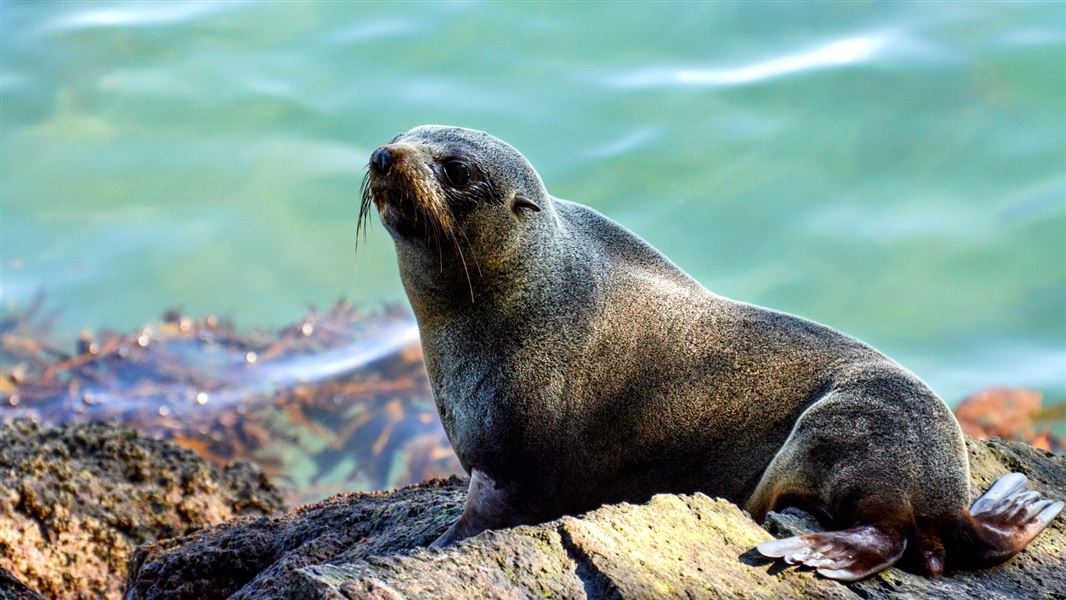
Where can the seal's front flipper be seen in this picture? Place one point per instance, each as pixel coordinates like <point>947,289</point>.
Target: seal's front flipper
<point>848,555</point>
<point>487,507</point>
<point>1007,517</point>
<point>452,535</point>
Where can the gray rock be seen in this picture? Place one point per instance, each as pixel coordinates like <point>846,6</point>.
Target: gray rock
<point>674,546</point>
<point>11,588</point>
<point>260,558</point>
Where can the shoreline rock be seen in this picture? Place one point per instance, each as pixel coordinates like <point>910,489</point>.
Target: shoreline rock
<point>12,588</point>
<point>75,502</point>
<point>261,558</point>
<point>674,546</point>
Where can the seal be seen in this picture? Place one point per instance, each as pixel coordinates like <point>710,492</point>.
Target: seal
<point>574,365</point>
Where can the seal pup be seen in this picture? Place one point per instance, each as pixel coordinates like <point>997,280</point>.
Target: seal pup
<point>574,365</point>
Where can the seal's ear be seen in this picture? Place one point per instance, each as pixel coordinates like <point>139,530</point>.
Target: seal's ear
<point>520,202</point>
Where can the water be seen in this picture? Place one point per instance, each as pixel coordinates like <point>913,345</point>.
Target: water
<point>895,171</point>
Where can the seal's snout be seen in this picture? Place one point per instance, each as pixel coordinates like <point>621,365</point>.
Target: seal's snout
<point>381,160</point>
<point>402,184</point>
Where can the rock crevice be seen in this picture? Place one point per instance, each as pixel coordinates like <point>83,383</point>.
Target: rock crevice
<point>596,583</point>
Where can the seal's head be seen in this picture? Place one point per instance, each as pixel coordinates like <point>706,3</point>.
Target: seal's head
<point>442,191</point>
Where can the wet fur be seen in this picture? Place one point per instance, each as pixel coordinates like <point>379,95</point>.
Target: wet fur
<point>580,366</point>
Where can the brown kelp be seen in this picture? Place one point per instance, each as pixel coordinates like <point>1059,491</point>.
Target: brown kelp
<point>338,400</point>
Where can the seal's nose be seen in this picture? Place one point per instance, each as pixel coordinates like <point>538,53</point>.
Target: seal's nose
<point>381,160</point>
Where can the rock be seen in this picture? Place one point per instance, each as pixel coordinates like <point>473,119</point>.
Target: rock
<point>674,546</point>
<point>13,589</point>
<point>256,558</point>
<point>77,500</point>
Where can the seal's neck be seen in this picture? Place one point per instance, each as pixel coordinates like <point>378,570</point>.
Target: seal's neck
<point>473,285</point>
<point>545,273</point>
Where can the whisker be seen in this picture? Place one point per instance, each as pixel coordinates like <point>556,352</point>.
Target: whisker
<point>469,284</point>
<point>365,201</point>
<point>455,242</point>
<point>469,245</point>
<point>434,221</point>
<point>436,238</point>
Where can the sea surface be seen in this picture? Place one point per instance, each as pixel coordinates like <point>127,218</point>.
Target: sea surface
<point>894,170</point>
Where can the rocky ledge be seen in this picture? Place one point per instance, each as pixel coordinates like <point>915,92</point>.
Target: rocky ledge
<point>675,546</point>
<point>77,500</point>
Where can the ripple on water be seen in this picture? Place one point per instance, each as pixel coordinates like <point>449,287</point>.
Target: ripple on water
<point>628,142</point>
<point>360,32</point>
<point>141,14</point>
<point>846,51</point>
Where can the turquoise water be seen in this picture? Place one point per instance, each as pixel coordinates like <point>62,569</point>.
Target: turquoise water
<point>897,171</point>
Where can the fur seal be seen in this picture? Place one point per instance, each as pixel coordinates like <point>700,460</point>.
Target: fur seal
<point>574,365</point>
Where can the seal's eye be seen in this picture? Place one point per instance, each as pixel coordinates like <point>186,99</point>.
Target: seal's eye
<point>456,172</point>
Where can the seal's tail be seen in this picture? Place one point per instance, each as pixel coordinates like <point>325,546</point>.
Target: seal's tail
<point>1001,523</point>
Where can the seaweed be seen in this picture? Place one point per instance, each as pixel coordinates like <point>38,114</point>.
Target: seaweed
<point>336,401</point>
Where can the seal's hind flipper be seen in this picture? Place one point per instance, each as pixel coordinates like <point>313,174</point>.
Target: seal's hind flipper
<point>1008,517</point>
<point>848,555</point>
